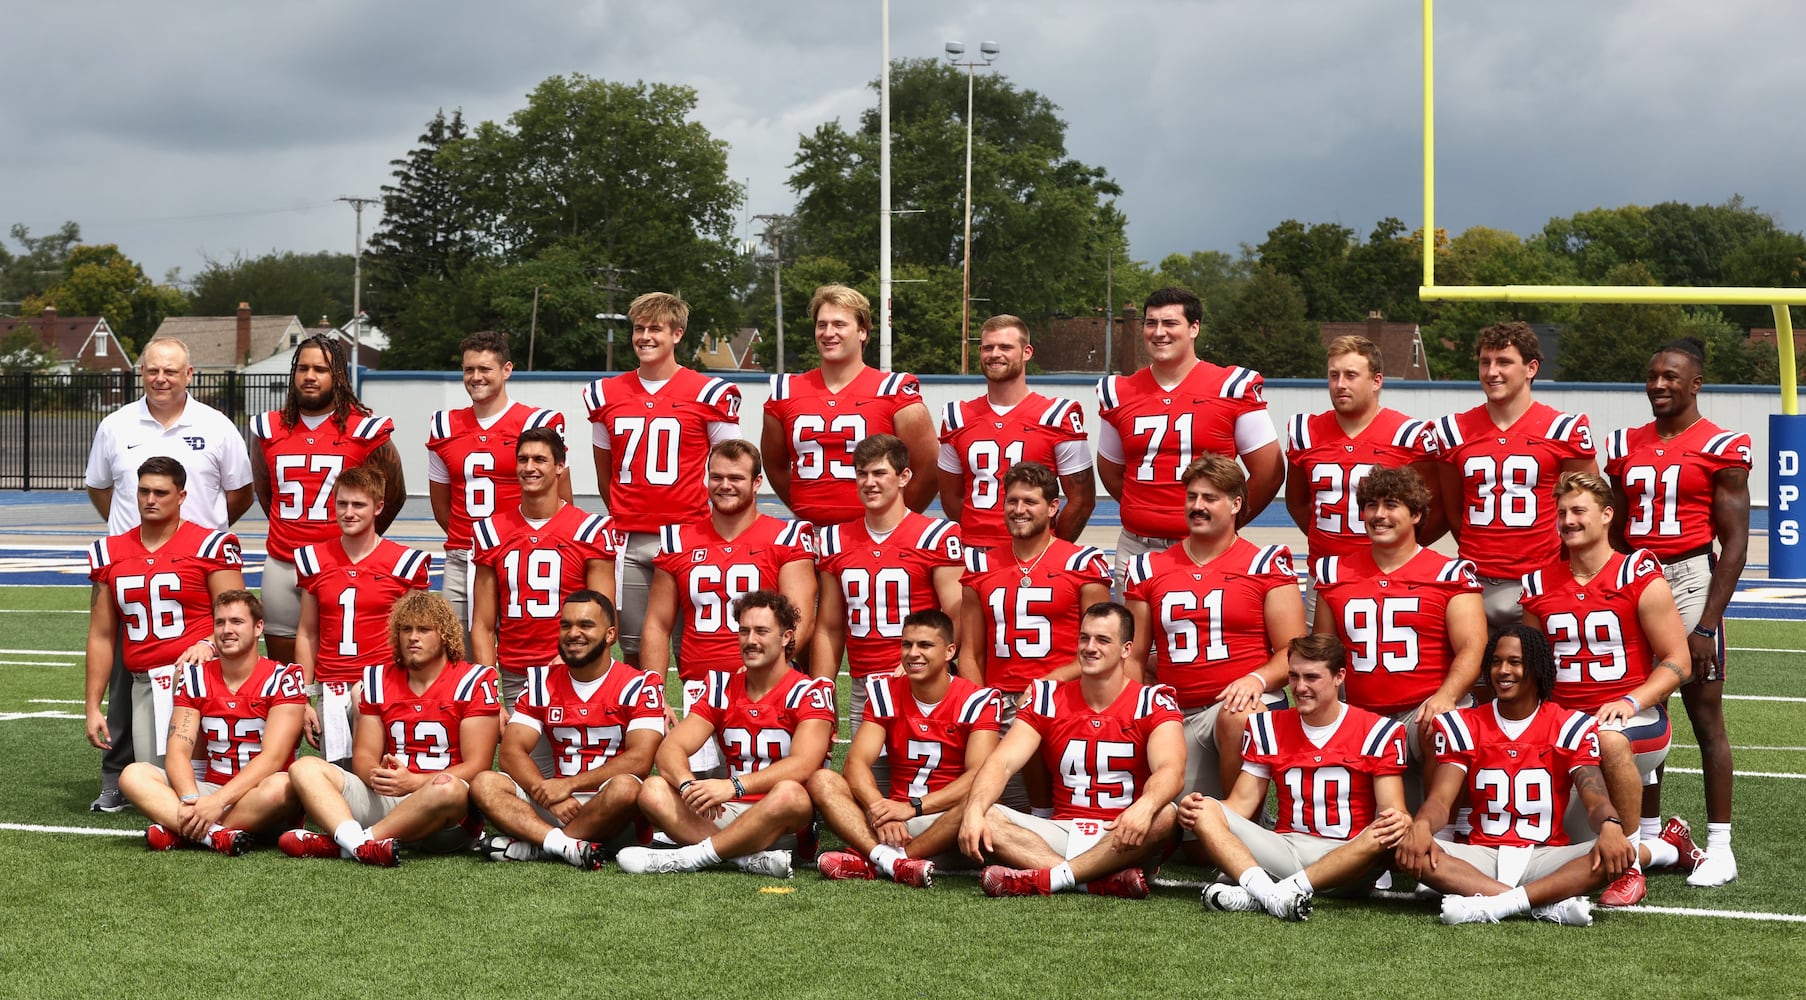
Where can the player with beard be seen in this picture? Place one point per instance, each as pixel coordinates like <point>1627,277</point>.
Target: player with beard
<point>604,719</point>
<point>982,438</point>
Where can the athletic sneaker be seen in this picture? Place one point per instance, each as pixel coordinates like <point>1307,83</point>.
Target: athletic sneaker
<point>773,863</point>
<point>636,860</point>
<point>845,865</point>
<point>231,843</point>
<point>381,853</point>
<point>1630,889</point>
<point>1467,910</point>
<point>1230,899</point>
<point>916,873</point>
<point>1717,868</point>
<point>1287,903</point>
<point>998,880</point>
<point>591,856</point>
<point>1679,834</point>
<point>505,848</point>
<point>110,800</point>
<point>1129,883</point>
<point>161,838</point>
<point>1574,911</point>
<point>307,844</point>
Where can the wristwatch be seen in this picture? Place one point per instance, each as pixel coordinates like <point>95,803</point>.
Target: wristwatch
<point>916,801</point>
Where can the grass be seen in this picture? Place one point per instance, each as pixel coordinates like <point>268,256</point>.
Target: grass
<point>88,914</point>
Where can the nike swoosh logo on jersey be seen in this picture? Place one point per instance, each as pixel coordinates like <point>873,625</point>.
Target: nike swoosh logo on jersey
<point>129,447</point>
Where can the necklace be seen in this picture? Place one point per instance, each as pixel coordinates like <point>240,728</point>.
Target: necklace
<point>1030,568</point>
<point>1670,437</point>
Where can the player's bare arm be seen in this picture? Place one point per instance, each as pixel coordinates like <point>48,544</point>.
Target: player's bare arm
<point>1079,490</point>
<point>830,642</point>
<point>599,576</point>
<point>439,496</point>
<point>102,499</point>
<point>673,754</point>
<point>238,501</point>
<point>1300,503</point>
<point>1284,613</point>
<point>987,786</point>
<point>973,643</point>
<point>797,581</point>
<point>483,612</point>
<point>1465,618</point>
<point>953,494</point>
<point>1111,475</point>
<point>1448,482</point>
<point>103,626</point>
<point>775,446</point>
<point>916,428</point>
<point>1611,852</point>
<point>260,476</point>
<point>655,630</point>
<point>1435,521</point>
<point>947,589</point>
<point>1135,663</point>
<point>1391,820</point>
<point>1731,523</point>
<point>1416,852</point>
<point>1166,763</point>
<point>1266,467</point>
<point>1661,626</point>
<point>605,470</point>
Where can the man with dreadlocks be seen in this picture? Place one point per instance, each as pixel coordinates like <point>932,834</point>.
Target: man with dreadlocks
<point>297,453</point>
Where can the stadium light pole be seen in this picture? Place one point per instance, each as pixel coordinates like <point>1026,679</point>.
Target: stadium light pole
<point>884,276</point>
<point>357,282</point>
<point>954,50</point>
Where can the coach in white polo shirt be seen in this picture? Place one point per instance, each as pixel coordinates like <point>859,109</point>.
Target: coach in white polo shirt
<point>164,421</point>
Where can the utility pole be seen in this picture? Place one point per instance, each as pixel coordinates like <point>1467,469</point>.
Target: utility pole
<point>772,234</point>
<point>610,285</point>
<point>954,50</point>
<point>884,271</point>
<point>357,282</point>
<point>1109,309</point>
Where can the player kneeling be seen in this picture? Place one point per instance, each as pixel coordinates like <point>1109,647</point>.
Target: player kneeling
<point>426,726</point>
<point>604,720</point>
<point>773,726</point>
<point>249,708</point>
<point>1517,758</point>
<point>1341,795</point>
<point>1116,749</point>
<point>938,730</point>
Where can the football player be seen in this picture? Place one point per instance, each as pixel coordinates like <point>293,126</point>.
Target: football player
<point>347,588</point>
<point>938,729</point>
<point>1682,483</point>
<point>470,462</point>
<point>1517,758</point>
<point>1156,421</point>
<point>1341,800</point>
<point>605,720</point>
<point>427,725</point>
<point>248,709</point>
<point>653,431</point>
<point>1117,747</point>
<point>982,438</point>
<point>775,728</point>
<point>1498,461</point>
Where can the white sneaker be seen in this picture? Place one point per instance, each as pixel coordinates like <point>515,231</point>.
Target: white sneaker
<point>505,848</point>
<point>773,863</point>
<point>1718,868</point>
<point>1467,910</point>
<point>1229,899</point>
<point>1287,903</point>
<point>1575,911</point>
<point>636,860</point>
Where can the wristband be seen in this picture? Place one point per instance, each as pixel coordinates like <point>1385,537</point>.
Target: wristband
<point>1634,703</point>
<point>916,801</point>
<point>1613,819</point>
<point>191,798</point>
<point>209,643</point>
<point>682,786</point>
<point>312,690</point>
<point>1704,632</point>
<point>739,789</point>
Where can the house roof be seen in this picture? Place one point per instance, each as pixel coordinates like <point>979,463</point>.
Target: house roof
<point>213,340</point>
<point>66,335</point>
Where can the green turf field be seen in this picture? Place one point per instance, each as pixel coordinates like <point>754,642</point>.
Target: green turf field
<point>87,914</point>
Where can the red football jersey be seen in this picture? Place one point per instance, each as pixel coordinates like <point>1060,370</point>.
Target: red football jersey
<point>712,573</point>
<point>354,599</point>
<point>422,729</point>
<point>232,721</point>
<point>658,443</point>
<point>477,461</point>
<point>928,750</point>
<point>981,444</point>
<point>588,727</point>
<point>1099,759</point>
<point>1395,625</point>
<point>1033,628</point>
<point>885,582</point>
<point>1669,483</point>
<point>1600,650</point>
<point>1318,452</point>
<point>1508,517</point>
<point>535,569</point>
<point>162,597</point>
<point>822,428</point>
<point>1162,430</point>
<point>1210,621</point>
<point>1327,790</point>
<point>753,735</point>
<point>303,463</point>
<point>1518,787</point>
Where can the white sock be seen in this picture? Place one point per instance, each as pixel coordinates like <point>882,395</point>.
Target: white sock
<point>1041,812</point>
<point>559,843</point>
<point>1508,904</point>
<point>697,856</point>
<point>1661,853</point>
<point>886,858</point>
<point>1060,877</point>
<point>1301,882</point>
<point>1650,827</point>
<point>1258,883</point>
<point>1635,837</point>
<point>350,835</point>
<point>1718,837</point>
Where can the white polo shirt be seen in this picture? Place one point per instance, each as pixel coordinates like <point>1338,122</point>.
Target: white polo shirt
<point>203,439</point>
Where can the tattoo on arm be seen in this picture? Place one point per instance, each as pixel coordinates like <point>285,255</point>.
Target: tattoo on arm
<point>94,597</point>
<point>1671,667</point>
<point>1589,781</point>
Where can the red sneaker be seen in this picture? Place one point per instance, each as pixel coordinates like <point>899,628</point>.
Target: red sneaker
<point>844,865</point>
<point>307,844</point>
<point>1000,881</point>
<point>231,843</point>
<point>1630,889</point>
<point>1130,883</point>
<point>1678,833</point>
<point>380,853</point>
<point>161,838</point>
<point>917,873</point>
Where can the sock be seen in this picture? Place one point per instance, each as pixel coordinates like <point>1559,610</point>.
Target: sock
<point>1301,882</point>
<point>1508,904</point>
<point>1041,812</point>
<point>559,843</point>
<point>1661,853</point>
<point>886,858</point>
<point>1650,827</point>
<point>1635,837</point>
<point>697,855</point>
<point>350,835</point>
<point>1718,837</point>
<point>1060,877</point>
<point>1258,883</point>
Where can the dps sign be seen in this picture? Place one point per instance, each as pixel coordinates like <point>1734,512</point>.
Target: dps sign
<point>1787,497</point>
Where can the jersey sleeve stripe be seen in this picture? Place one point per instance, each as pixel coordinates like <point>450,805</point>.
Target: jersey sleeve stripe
<point>273,683</point>
<point>1140,568</point>
<point>718,689</point>
<point>483,532</point>
<point>537,691</point>
<point>1041,696</point>
<point>1408,433</point>
<point>467,687</point>
<point>1378,737</point>
<point>1449,429</point>
<point>1533,584</point>
<point>1455,728</point>
<point>669,542</point>
<point>712,390</point>
<point>210,546</point>
<point>539,418</point>
<point>827,540</point>
<point>1560,427</point>
<point>194,681</point>
<point>1144,702</point>
<point>877,697</point>
<point>780,386</point>
<point>934,534</point>
<point>592,529</point>
<point>1265,559</point>
<point>1627,573</point>
<point>1324,570</point>
<point>1260,727</point>
<point>1615,445</point>
<point>953,418</point>
<point>892,384</point>
<point>1237,382</point>
<point>307,564</point>
<point>1573,731</point>
<point>98,556</point>
<point>1298,432</point>
<point>373,685</point>
<point>593,396</point>
<point>1106,393</point>
<point>1720,443</point>
<point>438,426</point>
<point>630,692</point>
<point>975,705</point>
<point>975,561</point>
<point>410,563</point>
<point>791,533</point>
<point>260,426</point>
<point>1077,562</point>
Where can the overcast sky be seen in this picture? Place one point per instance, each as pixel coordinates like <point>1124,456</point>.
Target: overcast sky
<point>190,129</point>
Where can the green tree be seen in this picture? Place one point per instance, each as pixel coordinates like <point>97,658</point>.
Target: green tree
<point>101,281</point>
<point>309,286</point>
<point>1215,276</point>
<point>43,262</point>
<point>1264,328</point>
<point>23,350</point>
<point>1316,257</point>
<point>1383,274</point>
<point>1486,256</point>
<point>1730,358</point>
<point>1611,342</point>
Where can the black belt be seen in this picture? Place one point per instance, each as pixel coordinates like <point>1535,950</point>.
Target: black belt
<point>1693,553</point>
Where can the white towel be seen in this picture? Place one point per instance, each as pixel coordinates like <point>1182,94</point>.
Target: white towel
<point>709,757</point>
<point>163,703</point>
<point>335,704</point>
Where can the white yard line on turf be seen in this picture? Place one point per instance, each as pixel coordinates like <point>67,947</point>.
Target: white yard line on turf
<point>83,611</point>
<point>16,716</point>
<point>78,701</point>
<point>1759,697</point>
<point>1683,911</point>
<point>1741,774</point>
<point>37,663</point>
<point>41,652</point>
<point>1762,649</point>
<point>85,831</point>
<point>1677,746</point>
